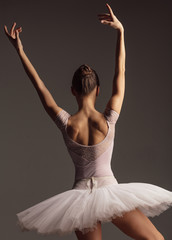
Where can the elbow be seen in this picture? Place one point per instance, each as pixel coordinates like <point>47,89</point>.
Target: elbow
<point>120,73</point>
<point>120,70</point>
<point>120,65</point>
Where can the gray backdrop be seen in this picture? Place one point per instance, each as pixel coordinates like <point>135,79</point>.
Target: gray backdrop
<point>59,36</point>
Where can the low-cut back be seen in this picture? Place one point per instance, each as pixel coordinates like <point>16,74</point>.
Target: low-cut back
<point>98,155</point>
<point>96,125</point>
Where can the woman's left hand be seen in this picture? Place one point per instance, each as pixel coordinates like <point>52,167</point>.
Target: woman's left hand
<point>13,36</point>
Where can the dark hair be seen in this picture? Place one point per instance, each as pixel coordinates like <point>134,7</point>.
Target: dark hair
<point>85,79</point>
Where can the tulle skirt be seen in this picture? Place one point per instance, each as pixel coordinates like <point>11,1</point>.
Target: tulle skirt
<point>91,200</point>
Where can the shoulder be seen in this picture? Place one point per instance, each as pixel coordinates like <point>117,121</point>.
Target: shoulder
<point>111,115</point>
<point>61,118</point>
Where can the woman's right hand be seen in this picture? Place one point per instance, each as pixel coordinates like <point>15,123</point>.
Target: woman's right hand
<point>13,36</point>
<point>110,19</point>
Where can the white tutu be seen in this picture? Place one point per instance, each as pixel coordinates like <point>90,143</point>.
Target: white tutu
<point>91,200</point>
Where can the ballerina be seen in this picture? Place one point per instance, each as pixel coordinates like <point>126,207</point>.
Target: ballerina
<point>96,196</point>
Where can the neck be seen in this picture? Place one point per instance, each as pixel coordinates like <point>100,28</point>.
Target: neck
<point>86,104</point>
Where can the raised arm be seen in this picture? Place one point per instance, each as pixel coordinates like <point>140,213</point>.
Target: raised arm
<point>46,98</point>
<point>118,86</point>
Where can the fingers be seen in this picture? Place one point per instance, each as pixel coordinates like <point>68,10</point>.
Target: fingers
<point>17,33</point>
<point>105,18</point>
<point>12,32</point>
<point>103,14</point>
<point>106,22</point>
<point>6,30</point>
<point>109,8</point>
<point>12,28</point>
<point>19,29</point>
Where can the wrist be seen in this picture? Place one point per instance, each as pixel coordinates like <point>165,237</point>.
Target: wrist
<point>19,50</point>
<point>120,28</point>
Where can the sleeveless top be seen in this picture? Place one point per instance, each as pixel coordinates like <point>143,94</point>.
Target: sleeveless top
<point>90,160</point>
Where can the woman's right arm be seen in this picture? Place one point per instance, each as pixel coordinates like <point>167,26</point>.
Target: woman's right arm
<point>118,87</point>
<point>44,94</point>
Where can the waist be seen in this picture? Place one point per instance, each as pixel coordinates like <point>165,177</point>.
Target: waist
<point>94,182</point>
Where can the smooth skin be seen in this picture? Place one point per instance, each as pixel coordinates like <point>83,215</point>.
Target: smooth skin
<point>134,223</point>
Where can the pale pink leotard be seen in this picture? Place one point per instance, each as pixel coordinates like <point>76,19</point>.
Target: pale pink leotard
<point>92,162</point>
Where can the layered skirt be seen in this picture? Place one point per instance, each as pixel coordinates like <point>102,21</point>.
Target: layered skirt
<point>91,200</point>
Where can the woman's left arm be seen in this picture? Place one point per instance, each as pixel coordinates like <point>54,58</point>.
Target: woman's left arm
<point>45,96</point>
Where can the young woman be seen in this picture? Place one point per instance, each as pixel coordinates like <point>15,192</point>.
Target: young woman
<point>96,195</point>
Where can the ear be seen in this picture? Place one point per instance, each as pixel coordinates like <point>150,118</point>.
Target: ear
<point>73,91</point>
<point>97,90</point>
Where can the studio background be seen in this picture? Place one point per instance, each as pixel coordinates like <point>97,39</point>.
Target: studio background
<point>59,36</point>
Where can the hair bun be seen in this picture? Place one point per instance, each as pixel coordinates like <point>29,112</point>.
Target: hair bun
<point>86,69</point>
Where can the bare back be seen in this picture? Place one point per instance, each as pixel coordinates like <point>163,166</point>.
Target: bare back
<point>87,130</point>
